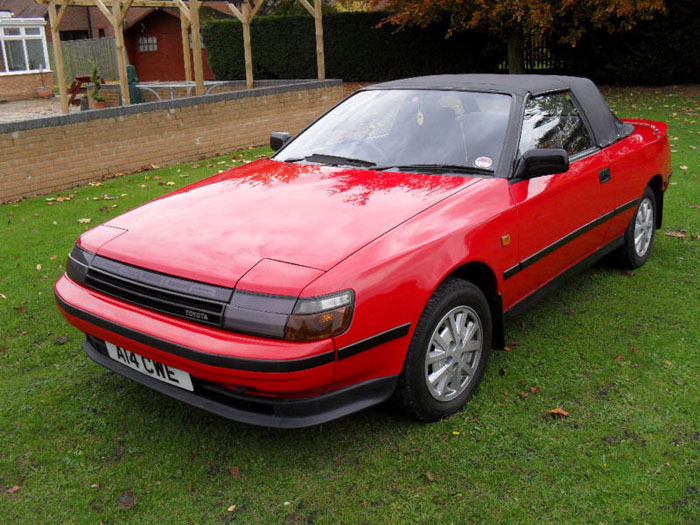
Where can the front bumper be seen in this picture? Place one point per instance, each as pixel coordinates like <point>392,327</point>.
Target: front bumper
<point>258,410</point>
<point>249,379</point>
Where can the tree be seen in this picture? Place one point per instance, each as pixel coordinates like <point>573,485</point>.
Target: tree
<point>511,19</point>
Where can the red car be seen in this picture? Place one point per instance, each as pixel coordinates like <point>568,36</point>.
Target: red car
<point>375,255</point>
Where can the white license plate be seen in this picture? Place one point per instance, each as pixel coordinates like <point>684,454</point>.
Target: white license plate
<point>149,367</point>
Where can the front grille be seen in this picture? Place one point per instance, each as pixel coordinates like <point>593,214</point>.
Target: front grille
<point>165,299</point>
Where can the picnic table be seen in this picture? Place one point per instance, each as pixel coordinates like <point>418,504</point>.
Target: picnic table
<point>210,85</point>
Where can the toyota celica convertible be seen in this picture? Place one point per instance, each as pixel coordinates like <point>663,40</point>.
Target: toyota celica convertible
<point>375,255</point>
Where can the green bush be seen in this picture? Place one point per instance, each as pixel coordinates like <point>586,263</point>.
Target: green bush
<point>355,49</point>
<point>659,51</point>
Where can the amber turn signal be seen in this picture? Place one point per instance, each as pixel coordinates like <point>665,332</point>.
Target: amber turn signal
<point>312,319</point>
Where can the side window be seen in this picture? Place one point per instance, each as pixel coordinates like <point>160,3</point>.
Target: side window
<point>552,121</point>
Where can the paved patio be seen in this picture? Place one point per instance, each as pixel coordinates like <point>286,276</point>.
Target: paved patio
<point>30,109</point>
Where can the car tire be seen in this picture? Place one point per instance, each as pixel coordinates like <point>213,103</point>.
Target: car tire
<point>441,371</point>
<point>639,235</point>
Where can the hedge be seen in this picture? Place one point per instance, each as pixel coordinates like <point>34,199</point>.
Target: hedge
<point>661,51</point>
<point>355,50</point>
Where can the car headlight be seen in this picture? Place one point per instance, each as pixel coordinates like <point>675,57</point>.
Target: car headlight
<point>320,317</point>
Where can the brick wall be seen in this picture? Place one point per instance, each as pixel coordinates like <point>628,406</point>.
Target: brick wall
<point>22,87</point>
<point>44,155</point>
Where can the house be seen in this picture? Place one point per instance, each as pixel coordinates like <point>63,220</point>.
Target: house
<point>78,23</point>
<point>154,44</point>
<point>24,60</point>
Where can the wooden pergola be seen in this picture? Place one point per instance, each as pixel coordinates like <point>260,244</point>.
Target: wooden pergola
<point>115,12</point>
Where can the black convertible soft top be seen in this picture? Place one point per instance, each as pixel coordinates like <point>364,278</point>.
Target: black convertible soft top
<point>606,127</point>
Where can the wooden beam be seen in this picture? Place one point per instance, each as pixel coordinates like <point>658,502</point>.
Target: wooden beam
<point>184,31</point>
<point>136,3</point>
<point>121,52</point>
<point>58,57</point>
<point>256,9</point>
<point>122,14</point>
<point>236,12</point>
<point>308,7</point>
<point>247,49</point>
<point>196,48</point>
<point>105,11</point>
<point>183,10</point>
<point>320,57</point>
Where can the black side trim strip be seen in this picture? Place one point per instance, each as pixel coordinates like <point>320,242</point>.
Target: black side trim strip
<point>532,259</point>
<point>555,283</point>
<point>235,363</point>
<point>258,410</point>
<point>371,342</point>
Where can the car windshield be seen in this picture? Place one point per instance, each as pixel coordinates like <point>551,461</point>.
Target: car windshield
<point>436,131</point>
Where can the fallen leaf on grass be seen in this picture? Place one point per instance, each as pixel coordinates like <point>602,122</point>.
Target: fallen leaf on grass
<point>3,296</point>
<point>534,390</point>
<point>12,490</point>
<point>456,432</point>
<point>558,412</point>
<point>195,166</point>
<point>95,485</point>
<point>54,257</point>
<point>170,183</point>
<point>696,206</point>
<point>38,267</point>
<point>430,476</point>
<point>84,221</point>
<point>668,363</point>
<point>127,500</point>
<point>61,340</point>
<point>677,235</point>
<point>618,357</point>
<point>523,395</point>
<point>510,347</point>
<point>684,167</point>
<point>287,503</point>
<point>231,508</point>
<point>235,472</point>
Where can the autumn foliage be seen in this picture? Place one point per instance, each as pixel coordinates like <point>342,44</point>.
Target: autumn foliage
<point>510,19</point>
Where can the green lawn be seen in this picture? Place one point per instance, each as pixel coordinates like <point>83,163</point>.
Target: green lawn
<point>620,351</point>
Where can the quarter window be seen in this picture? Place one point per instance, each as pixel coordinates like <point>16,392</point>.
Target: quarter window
<point>553,122</point>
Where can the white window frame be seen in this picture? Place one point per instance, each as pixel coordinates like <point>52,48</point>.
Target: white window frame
<point>23,24</point>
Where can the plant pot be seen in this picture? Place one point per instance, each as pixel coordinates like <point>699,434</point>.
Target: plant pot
<point>44,91</point>
<point>100,105</point>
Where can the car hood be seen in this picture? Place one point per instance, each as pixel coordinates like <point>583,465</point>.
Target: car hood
<point>305,215</point>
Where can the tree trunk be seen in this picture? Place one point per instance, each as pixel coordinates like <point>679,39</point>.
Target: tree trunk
<point>516,58</point>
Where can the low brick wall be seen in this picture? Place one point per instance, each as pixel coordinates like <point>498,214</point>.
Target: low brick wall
<point>22,87</point>
<point>43,155</point>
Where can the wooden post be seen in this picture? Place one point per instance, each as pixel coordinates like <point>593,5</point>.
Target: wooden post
<point>320,59</point>
<point>196,48</point>
<point>184,29</point>
<point>121,51</point>
<point>58,56</point>
<point>247,51</point>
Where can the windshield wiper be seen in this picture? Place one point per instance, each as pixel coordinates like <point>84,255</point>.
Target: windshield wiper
<point>440,168</point>
<point>334,160</point>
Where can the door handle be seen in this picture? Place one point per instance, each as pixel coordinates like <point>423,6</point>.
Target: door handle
<point>604,175</point>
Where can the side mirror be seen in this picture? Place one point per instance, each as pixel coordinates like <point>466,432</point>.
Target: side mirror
<point>279,139</point>
<point>537,162</point>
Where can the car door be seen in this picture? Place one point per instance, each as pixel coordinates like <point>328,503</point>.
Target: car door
<point>556,213</point>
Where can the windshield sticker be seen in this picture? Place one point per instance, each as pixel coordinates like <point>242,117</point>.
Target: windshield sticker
<point>483,162</point>
<point>420,118</point>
